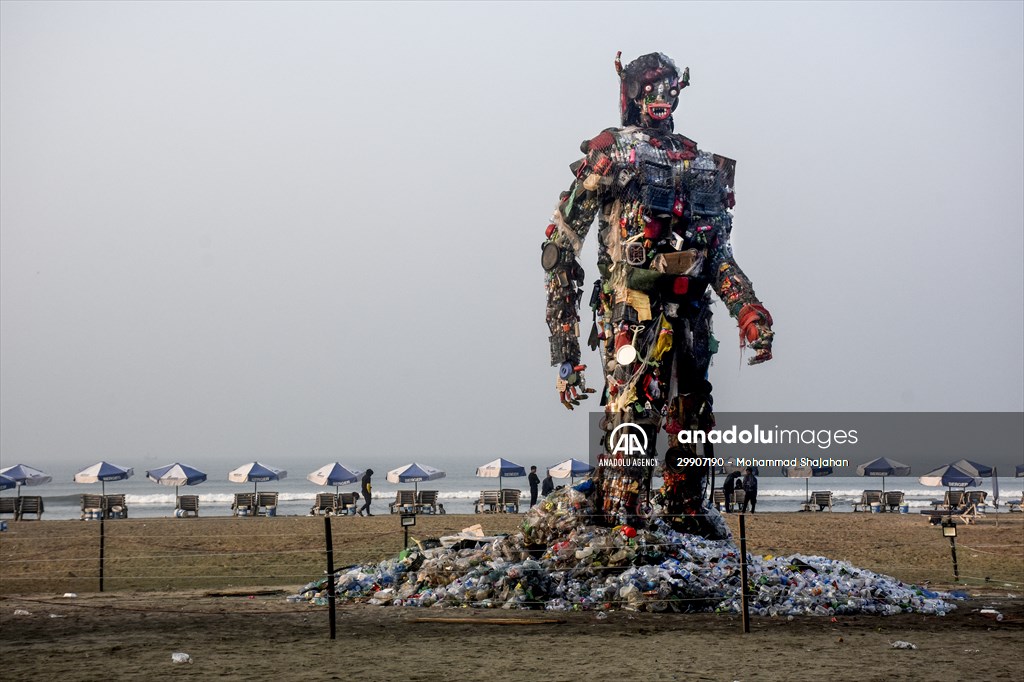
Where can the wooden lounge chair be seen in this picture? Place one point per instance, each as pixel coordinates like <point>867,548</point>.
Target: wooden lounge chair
<point>346,503</point>
<point>427,503</point>
<point>892,500</point>
<point>92,507</point>
<point>1015,505</point>
<point>9,505</point>
<point>822,499</point>
<point>739,496</point>
<point>323,505</point>
<point>115,506</point>
<point>868,498</point>
<point>978,498</point>
<point>266,504</point>
<point>244,504</point>
<point>29,505</point>
<point>488,502</point>
<point>405,501</point>
<point>953,499</point>
<point>510,500</point>
<point>718,497</point>
<point>187,504</point>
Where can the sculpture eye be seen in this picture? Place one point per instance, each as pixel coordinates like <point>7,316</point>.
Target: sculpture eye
<point>673,92</point>
<point>648,88</point>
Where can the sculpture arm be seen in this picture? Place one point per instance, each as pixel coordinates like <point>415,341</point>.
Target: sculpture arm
<point>737,292</point>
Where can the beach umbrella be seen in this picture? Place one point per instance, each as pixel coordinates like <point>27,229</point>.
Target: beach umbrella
<point>7,483</point>
<point>335,474</point>
<point>883,466</point>
<point>25,475</point>
<point>414,473</point>
<point>499,469</point>
<point>103,472</point>
<point>1019,471</point>
<point>807,473</point>
<point>256,473</point>
<point>176,474</point>
<point>973,468</point>
<point>950,476</point>
<point>570,468</point>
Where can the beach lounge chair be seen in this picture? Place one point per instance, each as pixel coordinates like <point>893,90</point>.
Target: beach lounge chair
<point>739,496</point>
<point>868,498</point>
<point>426,503</point>
<point>9,505</point>
<point>822,499</point>
<point>953,499</point>
<point>115,506</point>
<point>488,501</point>
<point>892,500</point>
<point>346,503</point>
<point>510,500</point>
<point>405,501</point>
<point>1015,505</point>
<point>29,505</point>
<point>978,498</point>
<point>244,504</point>
<point>266,504</point>
<point>718,496</point>
<point>187,504</point>
<point>323,504</point>
<point>92,507</point>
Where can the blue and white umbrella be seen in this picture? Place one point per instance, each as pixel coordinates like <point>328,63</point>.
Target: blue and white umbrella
<point>499,469</point>
<point>883,466</point>
<point>570,468</point>
<point>176,474</point>
<point>806,473</point>
<point>22,474</point>
<point>1018,472</point>
<point>256,473</point>
<point>414,473</point>
<point>102,472</point>
<point>950,476</point>
<point>7,483</point>
<point>335,474</point>
<point>973,468</point>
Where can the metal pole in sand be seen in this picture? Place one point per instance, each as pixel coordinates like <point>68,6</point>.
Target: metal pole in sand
<point>330,574</point>
<point>103,513</point>
<point>743,574</point>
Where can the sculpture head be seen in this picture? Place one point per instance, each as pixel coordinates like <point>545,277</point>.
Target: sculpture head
<point>650,90</point>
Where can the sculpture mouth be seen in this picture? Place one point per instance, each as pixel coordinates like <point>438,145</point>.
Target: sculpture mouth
<point>659,112</point>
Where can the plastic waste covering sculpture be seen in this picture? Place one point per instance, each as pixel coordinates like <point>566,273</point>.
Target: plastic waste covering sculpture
<point>664,224</point>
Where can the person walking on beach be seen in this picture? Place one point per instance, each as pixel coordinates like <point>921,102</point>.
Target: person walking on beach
<point>547,486</point>
<point>728,488</point>
<point>749,490</point>
<point>366,493</point>
<point>534,480</point>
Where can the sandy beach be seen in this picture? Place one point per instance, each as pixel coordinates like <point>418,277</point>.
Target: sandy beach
<point>215,588</point>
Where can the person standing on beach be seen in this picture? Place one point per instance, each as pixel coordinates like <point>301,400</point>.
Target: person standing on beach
<point>534,480</point>
<point>366,493</point>
<point>547,486</point>
<point>728,488</point>
<point>749,491</point>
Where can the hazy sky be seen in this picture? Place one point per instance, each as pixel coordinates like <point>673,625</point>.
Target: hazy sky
<point>301,232</point>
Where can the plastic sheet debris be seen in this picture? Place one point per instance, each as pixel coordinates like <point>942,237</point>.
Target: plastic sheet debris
<point>21,612</point>
<point>900,644</point>
<point>57,615</point>
<point>70,595</point>
<point>991,613</point>
<point>558,561</point>
<point>180,657</point>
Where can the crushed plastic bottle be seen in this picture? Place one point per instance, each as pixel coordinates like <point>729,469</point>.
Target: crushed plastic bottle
<point>180,657</point>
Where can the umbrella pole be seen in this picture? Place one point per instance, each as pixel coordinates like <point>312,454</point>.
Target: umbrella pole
<point>883,484</point>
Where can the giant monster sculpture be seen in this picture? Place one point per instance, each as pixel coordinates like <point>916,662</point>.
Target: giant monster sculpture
<point>664,224</point>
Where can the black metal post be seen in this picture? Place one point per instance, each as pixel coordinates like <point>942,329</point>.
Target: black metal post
<point>956,570</point>
<point>103,512</point>
<point>406,529</point>
<point>330,574</point>
<point>744,611</point>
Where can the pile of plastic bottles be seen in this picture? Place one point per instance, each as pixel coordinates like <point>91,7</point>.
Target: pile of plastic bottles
<point>558,561</point>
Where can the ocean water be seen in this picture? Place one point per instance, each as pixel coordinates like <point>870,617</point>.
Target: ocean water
<point>457,492</point>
